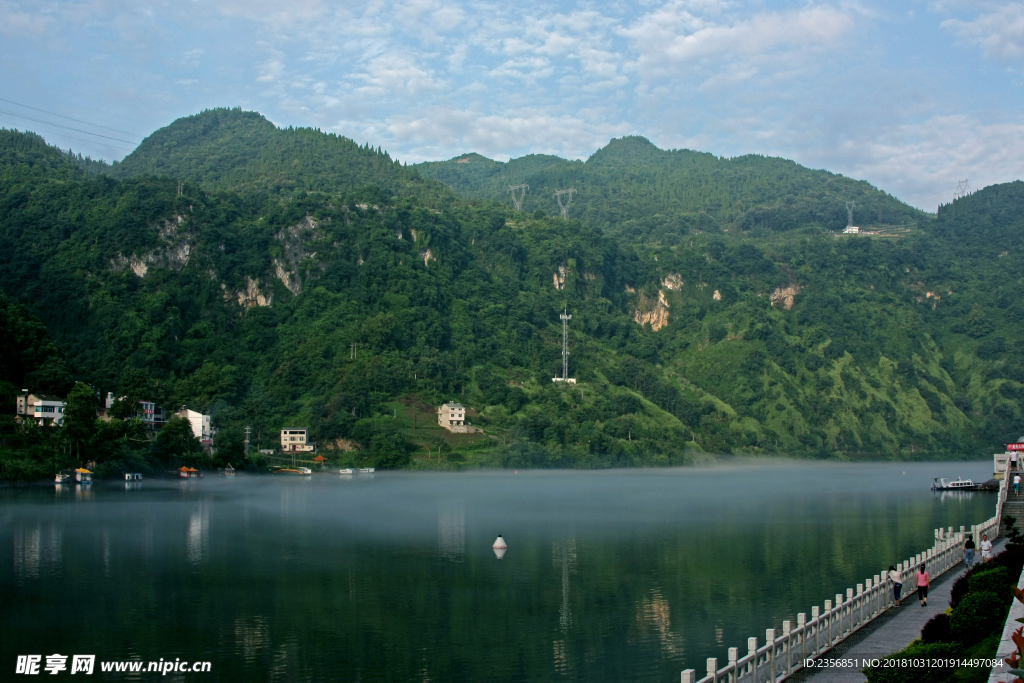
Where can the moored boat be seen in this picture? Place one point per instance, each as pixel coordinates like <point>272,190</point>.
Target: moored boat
<point>293,470</point>
<point>958,484</point>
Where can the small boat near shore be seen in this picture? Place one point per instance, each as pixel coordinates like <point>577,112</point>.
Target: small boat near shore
<point>293,470</point>
<point>960,484</point>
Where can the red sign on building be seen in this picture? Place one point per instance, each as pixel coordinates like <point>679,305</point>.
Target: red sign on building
<point>1015,446</point>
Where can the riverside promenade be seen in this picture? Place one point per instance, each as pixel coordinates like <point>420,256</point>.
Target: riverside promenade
<point>891,632</point>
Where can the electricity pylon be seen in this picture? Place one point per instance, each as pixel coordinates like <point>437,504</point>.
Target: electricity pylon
<point>963,188</point>
<point>521,189</point>
<point>568,201</point>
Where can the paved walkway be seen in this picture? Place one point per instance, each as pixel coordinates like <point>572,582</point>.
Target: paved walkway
<point>893,631</point>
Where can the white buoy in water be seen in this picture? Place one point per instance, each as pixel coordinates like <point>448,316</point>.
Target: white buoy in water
<point>499,542</point>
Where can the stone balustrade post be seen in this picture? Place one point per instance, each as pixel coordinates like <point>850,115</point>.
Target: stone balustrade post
<point>816,618</point>
<point>688,676</point>
<point>734,655</point>
<point>840,608</point>
<point>713,668</point>
<point>769,640</point>
<point>752,653</point>
<point>828,621</point>
<point>801,623</point>
<point>787,633</point>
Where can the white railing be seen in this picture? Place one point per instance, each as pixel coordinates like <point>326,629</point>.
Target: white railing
<point>786,652</point>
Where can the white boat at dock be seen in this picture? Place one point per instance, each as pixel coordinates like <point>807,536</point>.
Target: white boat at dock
<point>958,484</point>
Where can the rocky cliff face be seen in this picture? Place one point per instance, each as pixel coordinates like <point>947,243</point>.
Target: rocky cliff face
<point>174,250</point>
<point>785,296</point>
<point>653,313</point>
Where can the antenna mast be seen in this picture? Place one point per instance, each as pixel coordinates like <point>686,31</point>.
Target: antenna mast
<point>565,343</point>
<point>568,201</point>
<point>521,189</point>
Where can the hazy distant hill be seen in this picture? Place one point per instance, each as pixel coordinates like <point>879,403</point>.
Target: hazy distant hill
<point>632,187</point>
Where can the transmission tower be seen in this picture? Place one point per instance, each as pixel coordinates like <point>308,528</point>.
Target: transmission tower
<point>565,342</point>
<point>521,189</point>
<point>849,213</point>
<point>963,188</point>
<point>565,207</point>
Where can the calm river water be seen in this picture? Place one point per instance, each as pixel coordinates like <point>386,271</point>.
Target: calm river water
<point>609,576</point>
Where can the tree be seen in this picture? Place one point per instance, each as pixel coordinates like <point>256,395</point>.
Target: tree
<point>80,417</point>
<point>176,441</point>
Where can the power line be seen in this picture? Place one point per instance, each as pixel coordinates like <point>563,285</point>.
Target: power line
<point>77,130</point>
<point>88,123</point>
<point>71,137</point>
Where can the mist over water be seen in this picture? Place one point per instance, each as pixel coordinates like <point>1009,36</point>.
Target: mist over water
<point>622,575</point>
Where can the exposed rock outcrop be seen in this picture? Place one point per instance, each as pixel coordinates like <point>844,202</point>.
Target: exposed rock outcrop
<point>673,281</point>
<point>559,277</point>
<point>293,241</point>
<point>174,251</point>
<point>651,313</point>
<point>251,295</point>
<point>785,296</point>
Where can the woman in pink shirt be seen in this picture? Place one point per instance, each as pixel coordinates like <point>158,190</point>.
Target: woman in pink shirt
<point>923,581</point>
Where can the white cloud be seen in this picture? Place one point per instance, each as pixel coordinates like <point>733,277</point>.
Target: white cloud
<point>671,38</point>
<point>999,32</point>
<point>15,21</point>
<point>917,160</point>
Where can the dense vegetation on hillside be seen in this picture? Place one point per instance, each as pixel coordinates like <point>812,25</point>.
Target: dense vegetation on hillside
<point>228,149</point>
<point>631,187</point>
<point>353,311</point>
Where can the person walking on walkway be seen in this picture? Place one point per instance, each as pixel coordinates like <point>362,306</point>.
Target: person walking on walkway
<point>986,548</point>
<point>969,551</point>
<point>897,583</point>
<point>1016,484</point>
<point>923,581</point>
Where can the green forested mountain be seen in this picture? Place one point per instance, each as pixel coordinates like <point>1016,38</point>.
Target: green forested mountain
<point>632,188</point>
<point>228,149</point>
<point>353,311</point>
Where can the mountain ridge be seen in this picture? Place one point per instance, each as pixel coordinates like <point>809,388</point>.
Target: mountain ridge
<point>332,309</point>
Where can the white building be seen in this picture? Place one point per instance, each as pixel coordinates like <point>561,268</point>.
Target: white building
<point>43,408</point>
<point>851,230</point>
<point>451,415</point>
<point>295,439</point>
<point>200,424</point>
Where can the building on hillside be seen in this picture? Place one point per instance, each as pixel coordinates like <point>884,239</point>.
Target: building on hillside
<point>851,230</point>
<point>200,424</point>
<point>45,409</point>
<point>152,415</point>
<point>452,416</point>
<point>294,439</point>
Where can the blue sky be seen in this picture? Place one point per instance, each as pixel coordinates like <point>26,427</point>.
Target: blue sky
<point>911,96</point>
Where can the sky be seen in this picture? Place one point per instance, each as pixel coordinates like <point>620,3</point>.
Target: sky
<point>912,96</point>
